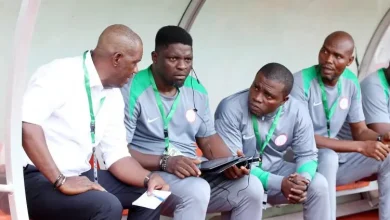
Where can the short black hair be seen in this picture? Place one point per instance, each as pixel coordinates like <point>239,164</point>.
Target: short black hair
<point>172,35</point>
<point>280,73</point>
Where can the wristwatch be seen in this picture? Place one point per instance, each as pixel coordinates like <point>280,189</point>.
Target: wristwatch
<point>164,162</point>
<point>379,138</point>
<point>147,178</point>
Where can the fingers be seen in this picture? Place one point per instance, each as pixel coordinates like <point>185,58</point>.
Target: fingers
<point>178,174</point>
<point>240,153</point>
<point>183,171</point>
<point>196,161</point>
<point>244,170</point>
<point>152,185</point>
<point>165,187</point>
<point>379,155</point>
<point>387,148</point>
<point>303,198</point>
<point>293,198</point>
<point>383,149</point>
<point>193,164</point>
<point>300,180</point>
<point>190,168</point>
<point>297,198</point>
<point>95,186</point>
<point>297,192</point>
<point>236,171</point>
<point>231,172</point>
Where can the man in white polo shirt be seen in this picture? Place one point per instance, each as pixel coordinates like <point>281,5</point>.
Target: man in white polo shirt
<point>71,107</point>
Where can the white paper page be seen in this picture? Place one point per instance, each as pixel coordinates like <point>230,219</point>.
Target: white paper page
<point>152,201</point>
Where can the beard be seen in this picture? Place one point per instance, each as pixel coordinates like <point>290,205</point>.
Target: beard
<point>178,84</point>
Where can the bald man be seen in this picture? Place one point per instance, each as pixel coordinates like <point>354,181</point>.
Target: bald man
<point>332,95</point>
<point>71,107</point>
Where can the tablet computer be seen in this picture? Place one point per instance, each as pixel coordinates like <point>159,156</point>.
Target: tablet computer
<point>212,164</point>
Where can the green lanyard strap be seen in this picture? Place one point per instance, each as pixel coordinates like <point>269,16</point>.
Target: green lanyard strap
<point>92,124</point>
<point>88,90</point>
<point>329,113</point>
<point>166,119</point>
<point>260,144</point>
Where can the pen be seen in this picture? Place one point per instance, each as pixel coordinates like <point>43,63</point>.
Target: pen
<point>158,197</point>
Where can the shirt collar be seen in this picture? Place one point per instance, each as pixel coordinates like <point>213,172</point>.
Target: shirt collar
<point>94,78</point>
<point>272,115</point>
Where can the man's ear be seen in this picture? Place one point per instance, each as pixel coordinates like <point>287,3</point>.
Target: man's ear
<point>285,99</point>
<point>115,59</point>
<point>351,59</point>
<point>154,56</point>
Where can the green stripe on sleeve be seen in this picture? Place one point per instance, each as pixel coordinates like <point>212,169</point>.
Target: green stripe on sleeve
<point>309,167</point>
<point>138,85</point>
<point>308,75</point>
<point>262,175</point>
<point>348,74</point>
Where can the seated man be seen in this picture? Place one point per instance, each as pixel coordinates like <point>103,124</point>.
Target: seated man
<point>332,94</point>
<point>167,117</point>
<point>264,121</point>
<point>376,105</point>
<point>71,107</point>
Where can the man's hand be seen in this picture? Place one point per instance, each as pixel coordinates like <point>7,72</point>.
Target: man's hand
<point>234,172</point>
<point>183,166</point>
<point>294,188</point>
<point>156,182</point>
<point>376,150</point>
<point>386,138</point>
<point>78,184</point>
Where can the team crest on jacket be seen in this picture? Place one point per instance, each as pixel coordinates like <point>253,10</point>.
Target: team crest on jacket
<point>343,103</point>
<point>191,115</point>
<point>281,140</point>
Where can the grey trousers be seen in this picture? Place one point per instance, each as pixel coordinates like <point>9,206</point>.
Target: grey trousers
<point>344,168</point>
<point>192,198</point>
<point>317,205</point>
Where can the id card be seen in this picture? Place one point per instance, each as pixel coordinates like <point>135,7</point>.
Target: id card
<point>265,198</point>
<point>173,151</point>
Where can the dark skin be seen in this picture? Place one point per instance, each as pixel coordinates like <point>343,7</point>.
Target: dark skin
<point>113,71</point>
<point>382,128</point>
<point>334,56</point>
<point>171,66</point>
<point>266,96</point>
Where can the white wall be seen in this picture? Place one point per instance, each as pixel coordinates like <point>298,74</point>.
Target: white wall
<point>233,39</point>
<point>68,28</point>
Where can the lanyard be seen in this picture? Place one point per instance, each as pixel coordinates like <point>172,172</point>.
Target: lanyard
<point>91,113</point>
<point>166,119</point>
<point>261,144</point>
<point>329,112</point>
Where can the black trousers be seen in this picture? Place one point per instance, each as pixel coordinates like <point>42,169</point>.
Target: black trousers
<point>45,203</point>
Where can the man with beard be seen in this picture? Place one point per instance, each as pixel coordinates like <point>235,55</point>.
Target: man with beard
<point>332,95</point>
<point>167,117</point>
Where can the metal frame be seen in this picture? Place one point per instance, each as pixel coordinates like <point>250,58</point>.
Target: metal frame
<point>17,78</point>
<point>190,14</point>
<point>373,45</point>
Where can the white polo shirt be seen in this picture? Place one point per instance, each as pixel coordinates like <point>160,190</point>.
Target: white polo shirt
<point>56,99</point>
